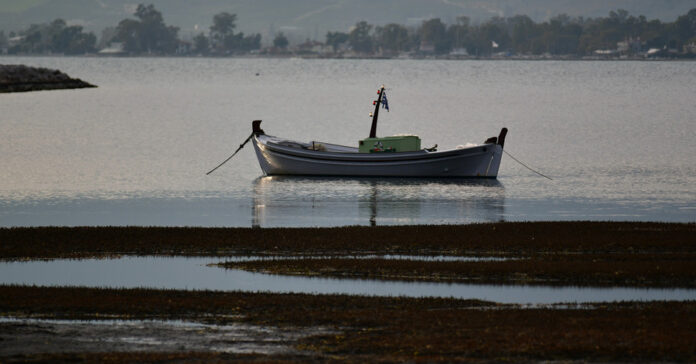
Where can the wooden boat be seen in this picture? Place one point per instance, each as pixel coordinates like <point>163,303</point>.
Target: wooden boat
<point>396,156</point>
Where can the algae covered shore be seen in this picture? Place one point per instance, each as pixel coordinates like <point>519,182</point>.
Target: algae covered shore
<point>505,239</point>
<point>353,328</point>
<point>154,325</point>
<point>547,253</point>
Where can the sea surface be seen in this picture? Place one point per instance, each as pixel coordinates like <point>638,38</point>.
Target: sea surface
<point>618,140</point>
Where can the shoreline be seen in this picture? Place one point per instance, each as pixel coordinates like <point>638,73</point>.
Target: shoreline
<point>334,57</point>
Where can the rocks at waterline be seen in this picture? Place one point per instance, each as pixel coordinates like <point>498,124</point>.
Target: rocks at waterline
<point>20,78</point>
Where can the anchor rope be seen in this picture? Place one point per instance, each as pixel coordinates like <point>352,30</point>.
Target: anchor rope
<point>526,166</point>
<point>230,157</point>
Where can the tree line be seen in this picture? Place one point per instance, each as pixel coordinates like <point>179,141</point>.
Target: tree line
<point>147,33</point>
<point>560,35</point>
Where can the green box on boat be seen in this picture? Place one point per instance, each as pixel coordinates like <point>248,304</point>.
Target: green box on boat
<point>401,143</point>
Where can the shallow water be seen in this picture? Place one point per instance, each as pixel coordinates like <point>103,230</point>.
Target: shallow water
<point>29,336</point>
<point>194,273</point>
<point>618,139</point>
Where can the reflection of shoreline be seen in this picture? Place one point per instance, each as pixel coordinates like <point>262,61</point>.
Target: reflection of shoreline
<point>327,201</point>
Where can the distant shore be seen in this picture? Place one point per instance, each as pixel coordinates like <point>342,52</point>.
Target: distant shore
<point>21,78</point>
<point>383,57</point>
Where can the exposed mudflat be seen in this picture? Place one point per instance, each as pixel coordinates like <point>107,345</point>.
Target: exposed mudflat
<point>205,326</point>
<point>225,326</point>
<point>505,239</point>
<point>628,254</point>
<point>557,269</point>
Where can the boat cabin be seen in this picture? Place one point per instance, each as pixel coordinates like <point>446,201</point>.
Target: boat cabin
<point>397,143</point>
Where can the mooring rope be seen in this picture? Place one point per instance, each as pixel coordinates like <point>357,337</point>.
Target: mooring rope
<point>235,153</point>
<point>526,166</point>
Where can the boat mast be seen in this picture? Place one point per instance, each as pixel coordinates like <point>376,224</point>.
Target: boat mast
<point>373,130</point>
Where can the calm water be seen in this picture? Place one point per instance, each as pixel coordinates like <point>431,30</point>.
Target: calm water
<point>618,139</point>
<point>193,273</point>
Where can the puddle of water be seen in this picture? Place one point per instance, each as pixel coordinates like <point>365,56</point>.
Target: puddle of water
<point>23,336</point>
<point>193,273</point>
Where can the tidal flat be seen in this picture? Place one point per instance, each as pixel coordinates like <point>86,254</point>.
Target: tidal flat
<point>599,270</point>
<point>504,239</point>
<point>345,328</point>
<point>152,325</point>
<point>622,254</point>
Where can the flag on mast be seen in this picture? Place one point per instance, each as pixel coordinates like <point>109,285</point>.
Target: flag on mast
<point>385,103</point>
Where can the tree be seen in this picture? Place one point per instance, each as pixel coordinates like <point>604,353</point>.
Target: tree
<point>619,16</point>
<point>459,32</point>
<point>280,41</point>
<point>225,41</point>
<point>33,40</point>
<point>685,27</point>
<point>393,37</point>
<point>524,34</point>
<point>148,34</point>
<point>201,44</point>
<point>222,30</point>
<point>335,39</point>
<point>434,32</point>
<point>249,42</point>
<point>55,37</point>
<point>154,34</point>
<point>71,40</point>
<point>489,37</point>
<point>359,38</point>
<point>127,32</point>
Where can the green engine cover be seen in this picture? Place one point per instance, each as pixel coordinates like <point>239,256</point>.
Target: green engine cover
<point>406,143</point>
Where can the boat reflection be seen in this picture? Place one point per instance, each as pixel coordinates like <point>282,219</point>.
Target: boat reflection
<point>330,201</point>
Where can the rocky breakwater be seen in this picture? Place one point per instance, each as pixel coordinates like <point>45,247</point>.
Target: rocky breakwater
<point>20,78</point>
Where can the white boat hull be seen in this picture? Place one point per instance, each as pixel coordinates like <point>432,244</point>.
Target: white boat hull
<point>477,161</point>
